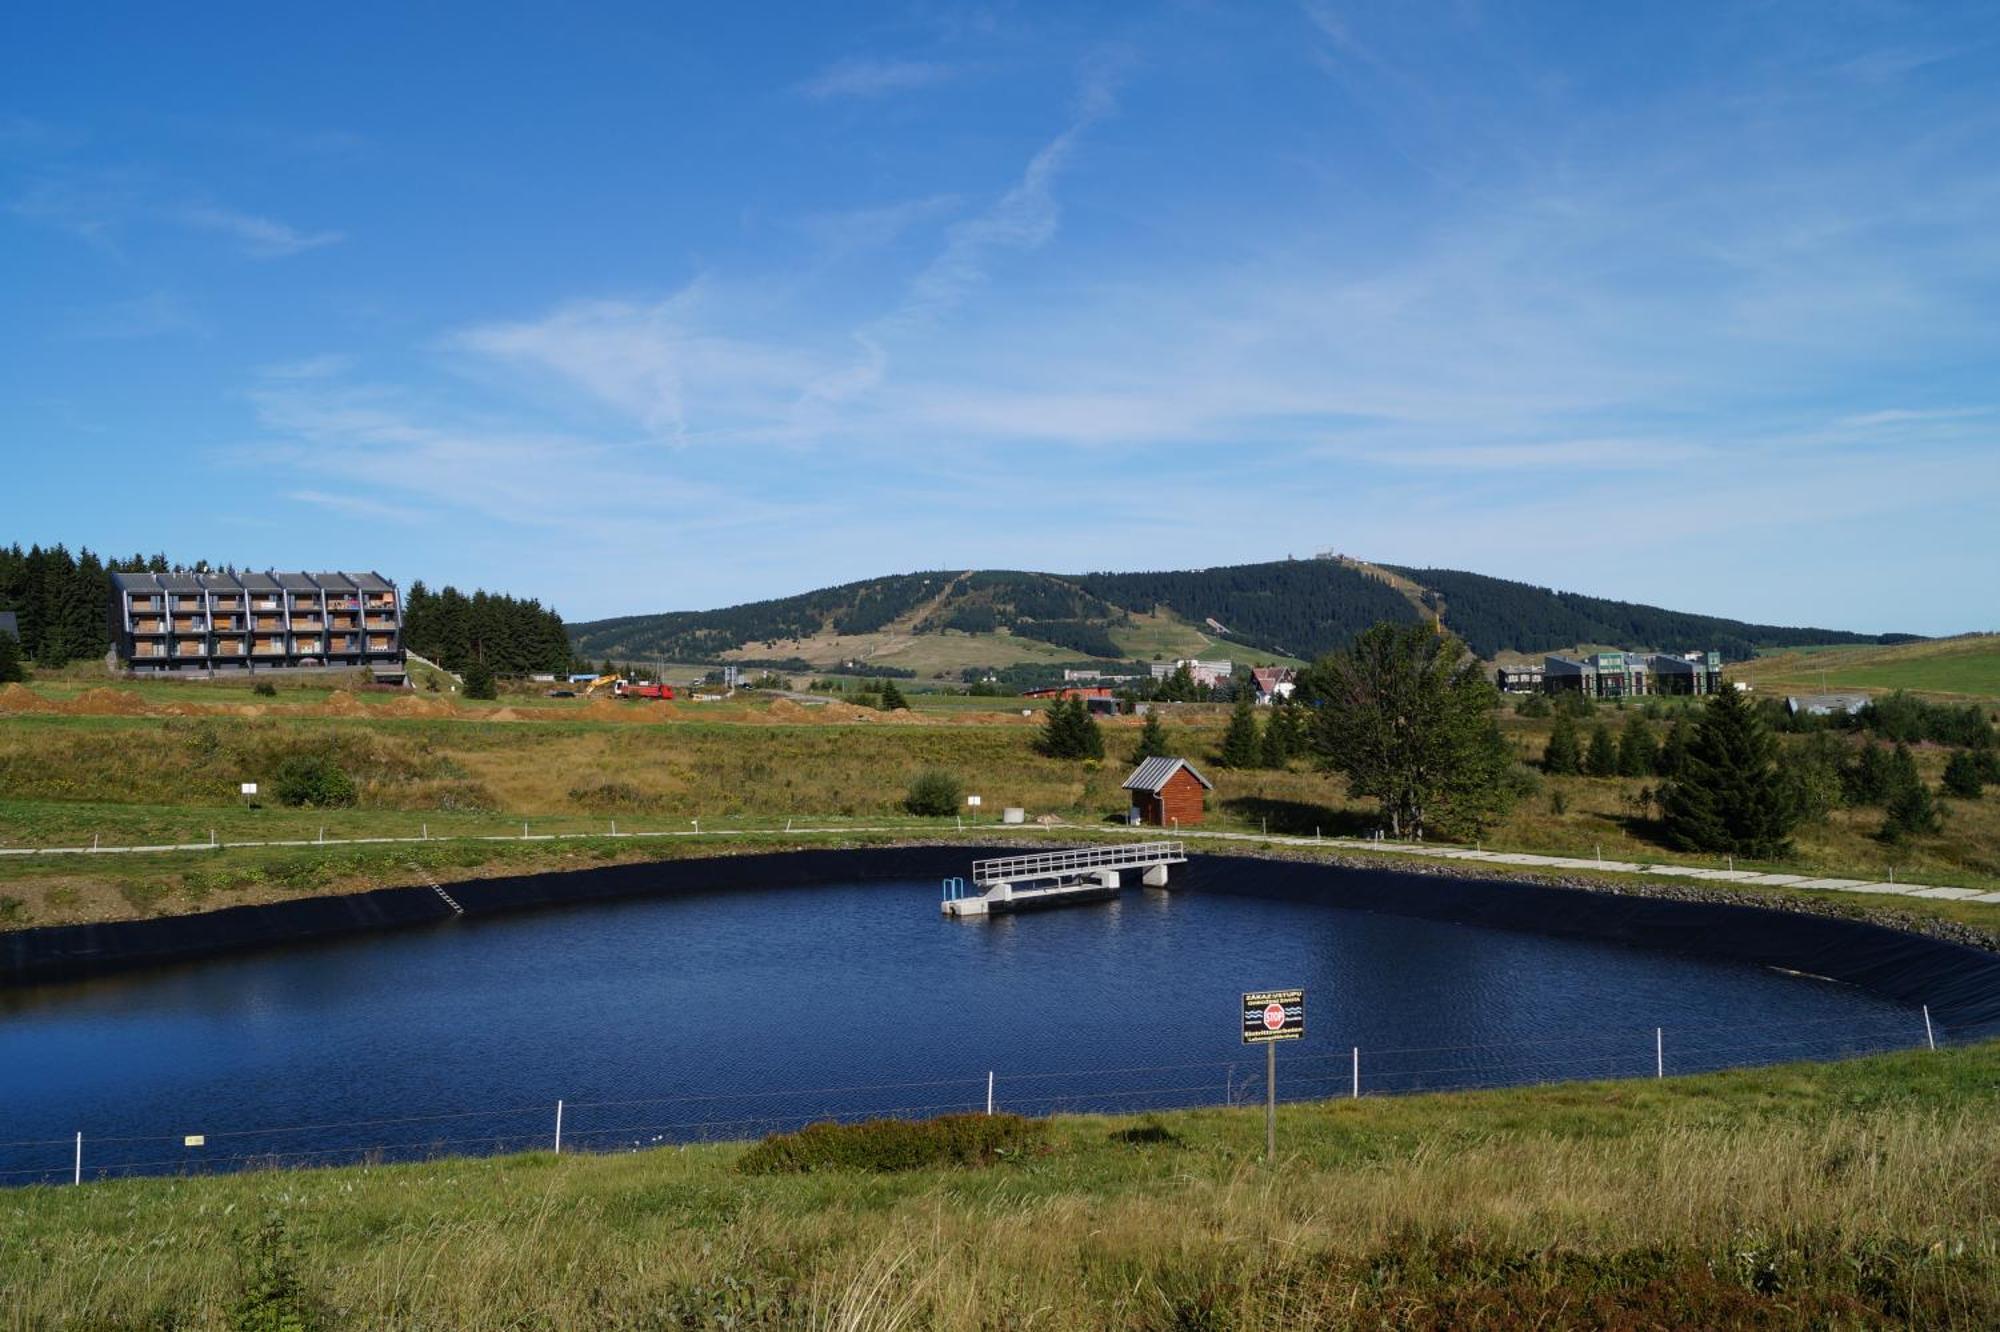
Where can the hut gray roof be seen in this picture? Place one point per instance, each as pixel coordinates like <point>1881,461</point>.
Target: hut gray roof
<point>1153,775</point>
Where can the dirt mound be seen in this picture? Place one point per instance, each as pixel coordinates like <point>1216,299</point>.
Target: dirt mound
<point>20,698</point>
<point>342,704</point>
<point>502,714</point>
<point>106,703</point>
<point>413,705</point>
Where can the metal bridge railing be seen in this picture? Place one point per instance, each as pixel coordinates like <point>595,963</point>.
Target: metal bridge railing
<point>1063,862</point>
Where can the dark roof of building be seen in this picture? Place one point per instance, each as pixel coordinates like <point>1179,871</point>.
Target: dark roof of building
<point>1154,774</point>
<point>372,582</point>
<point>260,582</point>
<point>135,582</point>
<point>297,582</point>
<point>186,582</point>
<point>335,582</point>
<point>221,582</point>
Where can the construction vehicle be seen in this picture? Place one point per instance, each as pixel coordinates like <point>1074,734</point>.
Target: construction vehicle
<point>602,682</point>
<point>663,692</point>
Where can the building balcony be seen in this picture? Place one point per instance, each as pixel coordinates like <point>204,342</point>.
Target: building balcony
<point>381,622</point>
<point>190,626</point>
<point>190,649</point>
<point>145,603</point>
<point>228,647</point>
<point>268,649</point>
<point>381,645</point>
<point>149,626</point>
<point>265,604</point>
<point>188,604</point>
<point>144,650</point>
<point>309,626</point>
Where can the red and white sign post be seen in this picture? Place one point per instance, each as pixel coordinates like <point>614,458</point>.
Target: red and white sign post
<point>1270,1016</point>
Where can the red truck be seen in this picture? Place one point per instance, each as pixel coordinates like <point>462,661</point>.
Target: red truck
<point>664,692</point>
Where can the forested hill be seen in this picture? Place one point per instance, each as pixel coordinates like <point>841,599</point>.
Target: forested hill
<point>1295,608</point>
<point>1495,615</point>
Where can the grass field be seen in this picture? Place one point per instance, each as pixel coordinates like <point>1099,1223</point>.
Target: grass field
<point>1964,668</point>
<point>1863,1194</point>
<point>171,774</point>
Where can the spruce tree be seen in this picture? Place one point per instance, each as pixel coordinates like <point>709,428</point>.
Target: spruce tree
<point>1673,754</point>
<point>1563,756</point>
<point>892,698</point>
<point>1729,795</point>
<point>1638,752</point>
<point>1281,736</point>
<point>10,660</point>
<point>1964,775</point>
<point>1239,743</point>
<point>1869,780</point>
<point>1912,812</point>
<point>1090,737</point>
<point>1602,760</point>
<point>1152,739</point>
<point>479,681</point>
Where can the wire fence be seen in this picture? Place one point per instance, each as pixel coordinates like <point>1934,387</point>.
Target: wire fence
<point>641,1123</point>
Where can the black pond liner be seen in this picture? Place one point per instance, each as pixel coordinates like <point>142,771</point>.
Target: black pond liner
<point>1961,985</point>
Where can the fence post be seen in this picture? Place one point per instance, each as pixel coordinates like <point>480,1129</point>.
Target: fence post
<point>1659,1053</point>
<point>1930,1037</point>
<point>1270,1100</point>
<point>989,1091</point>
<point>558,1128</point>
<point>1357,1072</point>
<point>77,1177</point>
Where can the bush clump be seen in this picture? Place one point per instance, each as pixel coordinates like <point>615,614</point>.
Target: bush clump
<point>614,797</point>
<point>264,689</point>
<point>934,793</point>
<point>314,780</point>
<point>883,1145</point>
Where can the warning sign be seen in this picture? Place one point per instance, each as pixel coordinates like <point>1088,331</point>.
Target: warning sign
<point>1273,1015</point>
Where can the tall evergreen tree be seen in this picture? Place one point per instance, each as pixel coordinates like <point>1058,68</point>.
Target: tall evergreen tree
<point>10,659</point>
<point>1406,715</point>
<point>1152,739</point>
<point>1912,812</point>
<point>1282,737</point>
<point>1964,774</point>
<point>892,698</point>
<point>1729,794</point>
<point>1673,754</point>
<point>1602,758</point>
<point>1563,756</point>
<point>1638,752</point>
<point>1070,732</point>
<point>1239,742</point>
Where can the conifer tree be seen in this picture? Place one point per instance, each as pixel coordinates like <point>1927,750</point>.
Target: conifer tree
<point>1239,743</point>
<point>1964,775</point>
<point>10,659</point>
<point>1602,760</point>
<point>892,698</point>
<point>479,681</point>
<point>1152,739</point>
<point>1912,812</point>
<point>1729,794</point>
<point>1638,752</point>
<point>1281,736</point>
<point>1673,754</point>
<point>1563,756</point>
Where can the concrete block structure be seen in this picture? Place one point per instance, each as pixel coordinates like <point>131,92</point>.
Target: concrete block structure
<point>216,622</point>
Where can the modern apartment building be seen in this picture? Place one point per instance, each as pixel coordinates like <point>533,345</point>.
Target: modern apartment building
<point>257,621</point>
<point>1613,675</point>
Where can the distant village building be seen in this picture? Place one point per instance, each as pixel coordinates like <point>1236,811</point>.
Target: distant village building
<point>1210,673</point>
<point>1614,675</point>
<point>1273,683</point>
<point>1519,679</point>
<point>1167,792</point>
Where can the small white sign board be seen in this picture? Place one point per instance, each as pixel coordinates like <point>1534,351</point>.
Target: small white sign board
<point>972,801</point>
<point>195,1140</point>
<point>249,788</point>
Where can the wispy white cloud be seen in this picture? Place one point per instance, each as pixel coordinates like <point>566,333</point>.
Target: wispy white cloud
<point>862,77</point>
<point>260,237</point>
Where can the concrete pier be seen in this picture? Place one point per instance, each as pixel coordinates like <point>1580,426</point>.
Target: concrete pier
<point>1058,878</point>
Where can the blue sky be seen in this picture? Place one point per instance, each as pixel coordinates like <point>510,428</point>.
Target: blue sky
<point>651,307</point>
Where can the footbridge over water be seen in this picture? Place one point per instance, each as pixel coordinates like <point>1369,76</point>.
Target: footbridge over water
<point>1058,877</point>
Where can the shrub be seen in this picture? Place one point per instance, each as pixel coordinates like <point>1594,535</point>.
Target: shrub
<point>614,797</point>
<point>264,689</point>
<point>1534,705</point>
<point>314,780</point>
<point>1964,775</point>
<point>894,1144</point>
<point>934,793</point>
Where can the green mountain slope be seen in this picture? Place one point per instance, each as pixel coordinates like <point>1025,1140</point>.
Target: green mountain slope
<point>1285,608</point>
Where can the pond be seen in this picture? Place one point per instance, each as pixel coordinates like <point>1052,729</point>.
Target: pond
<point>730,1014</point>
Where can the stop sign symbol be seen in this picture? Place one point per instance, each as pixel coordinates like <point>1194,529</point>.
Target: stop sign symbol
<point>1274,1016</point>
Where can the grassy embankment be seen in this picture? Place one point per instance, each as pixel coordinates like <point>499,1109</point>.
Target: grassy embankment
<point>161,762</point>
<point>1861,1194</point>
<point>1966,668</point>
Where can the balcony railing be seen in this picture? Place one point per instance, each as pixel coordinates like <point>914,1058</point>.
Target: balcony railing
<point>228,647</point>
<point>149,626</point>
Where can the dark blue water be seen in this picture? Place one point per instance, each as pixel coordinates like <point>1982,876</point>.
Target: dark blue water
<point>729,1015</point>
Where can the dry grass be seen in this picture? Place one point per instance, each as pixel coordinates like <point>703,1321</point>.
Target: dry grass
<point>1858,1195</point>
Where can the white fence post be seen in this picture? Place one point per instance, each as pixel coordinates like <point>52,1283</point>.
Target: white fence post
<point>1930,1037</point>
<point>989,1091</point>
<point>77,1177</point>
<point>1659,1053</point>
<point>558,1128</point>
<point>1357,1072</point>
